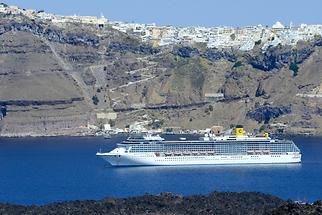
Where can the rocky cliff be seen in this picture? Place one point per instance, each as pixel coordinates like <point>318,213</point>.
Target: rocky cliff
<point>54,78</point>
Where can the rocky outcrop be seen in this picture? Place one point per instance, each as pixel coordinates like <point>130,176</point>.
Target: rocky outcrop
<point>134,48</point>
<point>163,107</point>
<point>266,113</point>
<point>273,58</point>
<point>89,78</point>
<point>318,111</point>
<point>3,111</point>
<point>260,91</point>
<point>238,85</point>
<point>290,207</point>
<point>84,58</point>
<point>164,203</point>
<point>186,51</point>
<point>277,57</point>
<point>51,34</point>
<point>318,42</point>
<point>210,54</point>
<point>167,203</point>
<point>215,54</point>
<point>42,102</point>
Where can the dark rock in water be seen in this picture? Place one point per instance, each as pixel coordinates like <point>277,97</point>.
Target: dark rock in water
<point>186,52</point>
<point>266,113</point>
<point>164,203</point>
<point>290,207</point>
<point>167,203</point>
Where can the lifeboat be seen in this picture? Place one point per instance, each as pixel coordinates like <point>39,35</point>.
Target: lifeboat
<point>266,151</point>
<point>167,153</point>
<point>258,151</point>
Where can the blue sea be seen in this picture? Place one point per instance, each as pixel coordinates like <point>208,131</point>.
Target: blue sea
<point>45,170</point>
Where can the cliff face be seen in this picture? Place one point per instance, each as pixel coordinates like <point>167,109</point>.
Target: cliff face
<point>54,79</point>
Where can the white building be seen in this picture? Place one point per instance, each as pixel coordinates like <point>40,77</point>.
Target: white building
<point>278,25</point>
<point>3,9</point>
<point>107,127</point>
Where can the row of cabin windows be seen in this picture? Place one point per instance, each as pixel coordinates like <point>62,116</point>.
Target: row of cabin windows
<point>279,148</point>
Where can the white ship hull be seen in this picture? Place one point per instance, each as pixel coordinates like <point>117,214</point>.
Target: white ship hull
<point>150,159</point>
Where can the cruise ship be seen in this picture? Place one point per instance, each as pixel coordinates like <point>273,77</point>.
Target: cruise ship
<point>240,148</point>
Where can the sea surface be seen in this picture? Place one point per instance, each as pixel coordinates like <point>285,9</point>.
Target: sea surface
<point>45,170</point>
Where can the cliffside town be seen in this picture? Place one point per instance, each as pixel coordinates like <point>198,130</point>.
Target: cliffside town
<point>242,38</point>
<point>68,75</point>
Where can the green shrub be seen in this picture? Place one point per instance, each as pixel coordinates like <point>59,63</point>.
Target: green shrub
<point>263,128</point>
<point>233,36</point>
<point>95,100</point>
<point>169,130</point>
<point>156,124</point>
<point>111,122</point>
<point>258,42</point>
<point>294,67</point>
<point>237,64</point>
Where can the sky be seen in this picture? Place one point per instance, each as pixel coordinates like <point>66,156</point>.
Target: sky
<point>187,12</point>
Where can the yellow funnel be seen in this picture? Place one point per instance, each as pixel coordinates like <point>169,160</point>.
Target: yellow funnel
<point>266,135</point>
<point>240,131</point>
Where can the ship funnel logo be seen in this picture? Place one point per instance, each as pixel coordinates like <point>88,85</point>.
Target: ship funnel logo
<point>239,131</point>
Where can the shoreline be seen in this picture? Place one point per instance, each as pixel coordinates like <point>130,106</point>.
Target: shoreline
<point>164,133</point>
<point>169,203</point>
